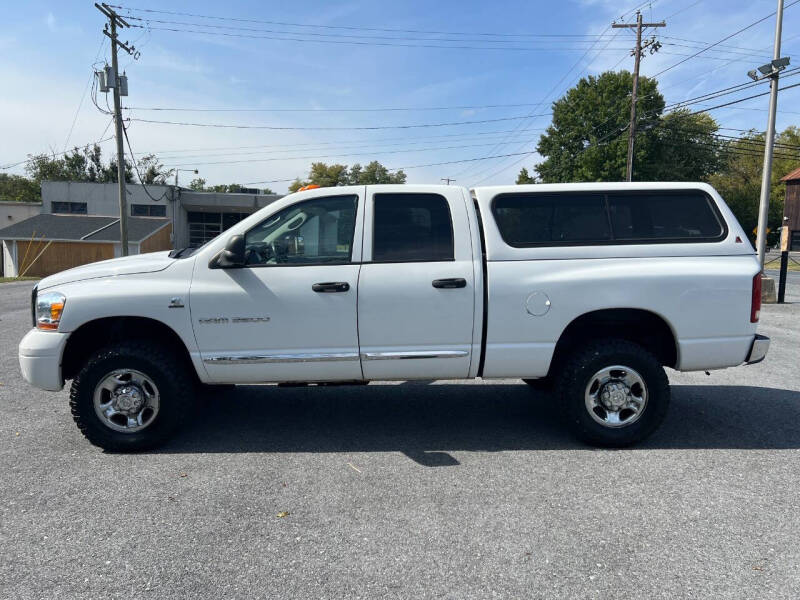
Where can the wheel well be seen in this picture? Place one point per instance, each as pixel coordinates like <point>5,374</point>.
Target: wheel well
<point>635,325</point>
<point>94,335</point>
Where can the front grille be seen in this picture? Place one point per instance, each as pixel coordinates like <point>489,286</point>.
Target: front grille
<point>33,304</point>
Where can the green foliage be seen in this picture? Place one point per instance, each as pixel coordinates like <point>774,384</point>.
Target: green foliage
<point>152,172</point>
<point>78,165</point>
<point>685,148</point>
<point>374,173</point>
<point>524,177</point>
<point>588,141</point>
<point>16,188</point>
<point>325,175</point>
<point>198,184</point>
<point>739,180</point>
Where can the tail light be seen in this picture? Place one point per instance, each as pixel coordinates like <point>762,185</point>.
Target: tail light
<point>755,303</point>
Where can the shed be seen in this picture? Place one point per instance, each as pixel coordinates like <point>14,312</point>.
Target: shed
<point>45,244</point>
<point>791,207</point>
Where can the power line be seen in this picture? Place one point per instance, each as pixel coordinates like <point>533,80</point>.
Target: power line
<point>313,148</point>
<point>572,68</point>
<point>437,164</point>
<point>348,128</point>
<point>348,42</point>
<point>54,154</point>
<point>727,37</point>
<point>83,96</point>
<point>549,94</point>
<point>351,27</point>
<point>317,156</point>
<point>315,110</point>
<point>787,87</point>
<point>136,168</point>
<point>405,38</point>
<point>415,139</point>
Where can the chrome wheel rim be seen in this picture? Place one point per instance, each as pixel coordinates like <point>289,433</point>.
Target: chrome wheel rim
<point>126,400</point>
<point>616,396</point>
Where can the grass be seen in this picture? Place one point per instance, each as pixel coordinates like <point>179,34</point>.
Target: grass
<point>775,265</point>
<point>10,279</point>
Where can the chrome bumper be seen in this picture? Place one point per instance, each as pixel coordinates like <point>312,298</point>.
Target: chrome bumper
<point>758,350</point>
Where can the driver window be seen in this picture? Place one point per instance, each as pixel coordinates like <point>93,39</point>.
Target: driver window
<point>317,231</point>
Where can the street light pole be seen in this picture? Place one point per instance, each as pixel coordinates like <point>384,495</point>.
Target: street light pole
<point>766,174</point>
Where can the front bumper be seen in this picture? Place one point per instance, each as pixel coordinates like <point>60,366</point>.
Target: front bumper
<point>758,350</point>
<point>40,358</point>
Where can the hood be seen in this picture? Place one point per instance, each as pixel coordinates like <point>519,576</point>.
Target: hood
<point>128,265</point>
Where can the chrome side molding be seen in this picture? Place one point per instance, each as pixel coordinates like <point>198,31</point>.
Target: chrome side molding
<point>414,354</point>
<point>279,358</point>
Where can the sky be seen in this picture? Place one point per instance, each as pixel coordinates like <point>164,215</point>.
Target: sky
<point>482,86</point>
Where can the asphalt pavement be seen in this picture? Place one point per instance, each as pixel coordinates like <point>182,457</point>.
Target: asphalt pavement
<point>439,490</point>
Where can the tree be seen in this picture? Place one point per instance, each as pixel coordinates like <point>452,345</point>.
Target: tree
<point>325,175</point>
<point>198,184</point>
<point>685,148</point>
<point>524,177</point>
<point>374,173</point>
<point>587,139</point>
<point>77,165</point>
<point>739,180</point>
<point>16,188</point>
<point>152,172</point>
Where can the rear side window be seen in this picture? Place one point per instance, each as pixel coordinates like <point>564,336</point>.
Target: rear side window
<point>641,217</point>
<point>682,216</point>
<point>412,228</point>
<point>549,219</point>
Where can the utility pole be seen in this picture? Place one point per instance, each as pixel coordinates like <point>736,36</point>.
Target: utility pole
<point>653,45</point>
<point>771,71</point>
<point>447,180</point>
<point>113,80</point>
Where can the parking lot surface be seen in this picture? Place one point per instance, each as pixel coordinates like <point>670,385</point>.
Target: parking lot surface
<point>409,490</point>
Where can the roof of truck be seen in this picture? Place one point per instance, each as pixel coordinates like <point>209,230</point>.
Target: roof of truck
<point>596,186</point>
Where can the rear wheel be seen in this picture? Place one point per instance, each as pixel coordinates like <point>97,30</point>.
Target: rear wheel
<point>130,397</point>
<point>613,393</point>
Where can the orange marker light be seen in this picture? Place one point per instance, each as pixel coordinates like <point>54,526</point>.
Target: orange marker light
<point>310,186</point>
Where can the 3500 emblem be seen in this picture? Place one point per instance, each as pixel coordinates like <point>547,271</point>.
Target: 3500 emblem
<point>226,320</point>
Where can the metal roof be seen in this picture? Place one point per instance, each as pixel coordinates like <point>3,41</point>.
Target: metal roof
<point>81,228</point>
<point>793,176</point>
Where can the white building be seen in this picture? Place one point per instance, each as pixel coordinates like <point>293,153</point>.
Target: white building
<point>12,213</point>
<point>196,217</point>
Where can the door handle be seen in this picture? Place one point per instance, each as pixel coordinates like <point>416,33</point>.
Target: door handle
<point>453,282</point>
<point>331,287</point>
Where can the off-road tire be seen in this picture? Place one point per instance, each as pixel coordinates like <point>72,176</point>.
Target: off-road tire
<point>171,377</point>
<point>583,364</point>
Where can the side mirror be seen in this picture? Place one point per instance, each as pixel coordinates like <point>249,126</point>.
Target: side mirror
<point>232,256</point>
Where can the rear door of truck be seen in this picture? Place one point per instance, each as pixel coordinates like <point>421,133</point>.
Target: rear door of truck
<point>417,286</point>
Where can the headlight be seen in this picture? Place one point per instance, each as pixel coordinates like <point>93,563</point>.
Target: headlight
<point>49,307</point>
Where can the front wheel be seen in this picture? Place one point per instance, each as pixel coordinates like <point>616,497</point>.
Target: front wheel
<point>613,393</point>
<point>130,397</point>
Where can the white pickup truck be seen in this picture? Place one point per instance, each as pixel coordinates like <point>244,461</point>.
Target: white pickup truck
<point>589,288</point>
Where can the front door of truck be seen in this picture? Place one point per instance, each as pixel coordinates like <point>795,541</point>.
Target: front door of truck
<point>416,291</point>
<point>290,313</point>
